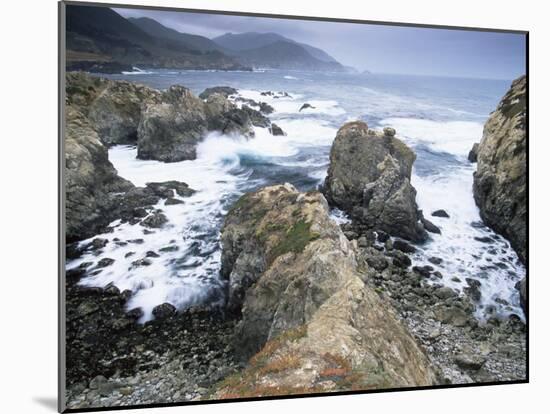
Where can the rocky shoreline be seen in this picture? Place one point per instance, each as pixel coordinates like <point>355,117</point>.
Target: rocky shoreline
<point>310,305</point>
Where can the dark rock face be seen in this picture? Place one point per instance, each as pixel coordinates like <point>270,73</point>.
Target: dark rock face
<point>90,179</point>
<point>276,130</point>
<point>521,286</point>
<point>500,182</point>
<point>440,213</point>
<point>95,194</point>
<point>166,189</point>
<point>113,107</point>
<point>472,155</point>
<point>369,178</point>
<point>306,106</point>
<point>171,130</point>
<point>166,126</point>
<point>225,91</point>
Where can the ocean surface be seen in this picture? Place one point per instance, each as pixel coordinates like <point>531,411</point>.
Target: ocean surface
<point>440,118</point>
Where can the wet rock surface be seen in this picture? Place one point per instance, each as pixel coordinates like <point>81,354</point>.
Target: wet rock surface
<point>306,313</point>
<point>500,182</point>
<point>369,178</point>
<point>112,360</point>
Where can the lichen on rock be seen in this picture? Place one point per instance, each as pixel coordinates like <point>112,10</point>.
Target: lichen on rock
<point>369,178</point>
<point>500,182</point>
<point>308,321</point>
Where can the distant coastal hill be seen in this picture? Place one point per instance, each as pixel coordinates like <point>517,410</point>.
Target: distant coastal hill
<point>101,40</point>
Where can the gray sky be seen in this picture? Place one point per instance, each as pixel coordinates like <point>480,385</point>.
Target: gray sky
<point>382,49</point>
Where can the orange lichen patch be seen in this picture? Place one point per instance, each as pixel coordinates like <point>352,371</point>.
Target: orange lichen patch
<point>337,361</point>
<point>269,391</point>
<point>333,372</point>
<point>280,364</point>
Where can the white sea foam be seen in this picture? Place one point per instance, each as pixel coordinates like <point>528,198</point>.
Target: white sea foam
<point>290,77</point>
<point>137,71</point>
<point>290,105</point>
<point>189,275</point>
<point>454,137</point>
<point>494,264</point>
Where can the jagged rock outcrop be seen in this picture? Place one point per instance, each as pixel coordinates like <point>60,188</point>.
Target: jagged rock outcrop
<point>166,126</point>
<point>170,131</point>
<point>369,178</point>
<point>225,91</point>
<point>95,194</point>
<point>500,182</point>
<point>90,178</point>
<point>306,313</point>
<point>113,107</point>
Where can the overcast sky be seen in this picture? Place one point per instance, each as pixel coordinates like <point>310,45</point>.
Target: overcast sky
<point>381,49</point>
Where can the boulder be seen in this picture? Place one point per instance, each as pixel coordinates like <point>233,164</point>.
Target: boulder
<point>500,181</point>
<point>306,314</point>
<point>276,130</point>
<point>164,311</point>
<point>369,178</point>
<point>166,189</point>
<point>440,213</point>
<point>306,106</point>
<point>170,131</point>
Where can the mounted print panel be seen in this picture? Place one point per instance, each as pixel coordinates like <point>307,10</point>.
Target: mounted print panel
<point>259,206</point>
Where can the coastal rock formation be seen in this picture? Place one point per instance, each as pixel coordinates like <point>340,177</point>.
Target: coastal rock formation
<point>90,178</point>
<point>169,131</point>
<point>369,178</point>
<point>166,126</point>
<point>113,107</point>
<point>306,313</point>
<point>472,155</point>
<point>500,182</point>
<point>225,91</point>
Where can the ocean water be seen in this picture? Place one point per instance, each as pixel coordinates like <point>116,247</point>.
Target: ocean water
<point>440,118</point>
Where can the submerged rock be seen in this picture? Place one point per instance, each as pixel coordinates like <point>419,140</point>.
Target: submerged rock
<point>276,130</point>
<point>293,277</point>
<point>369,178</point>
<point>306,106</point>
<point>500,182</point>
<point>440,213</point>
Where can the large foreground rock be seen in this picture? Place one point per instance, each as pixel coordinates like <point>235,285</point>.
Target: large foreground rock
<point>500,182</point>
<point>308,318</point>
<point>369,178</point>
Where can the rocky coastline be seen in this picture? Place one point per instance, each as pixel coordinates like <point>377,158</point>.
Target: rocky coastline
<point>310,305</point>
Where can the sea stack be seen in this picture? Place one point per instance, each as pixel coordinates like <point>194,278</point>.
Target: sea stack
<point>369,178</point>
